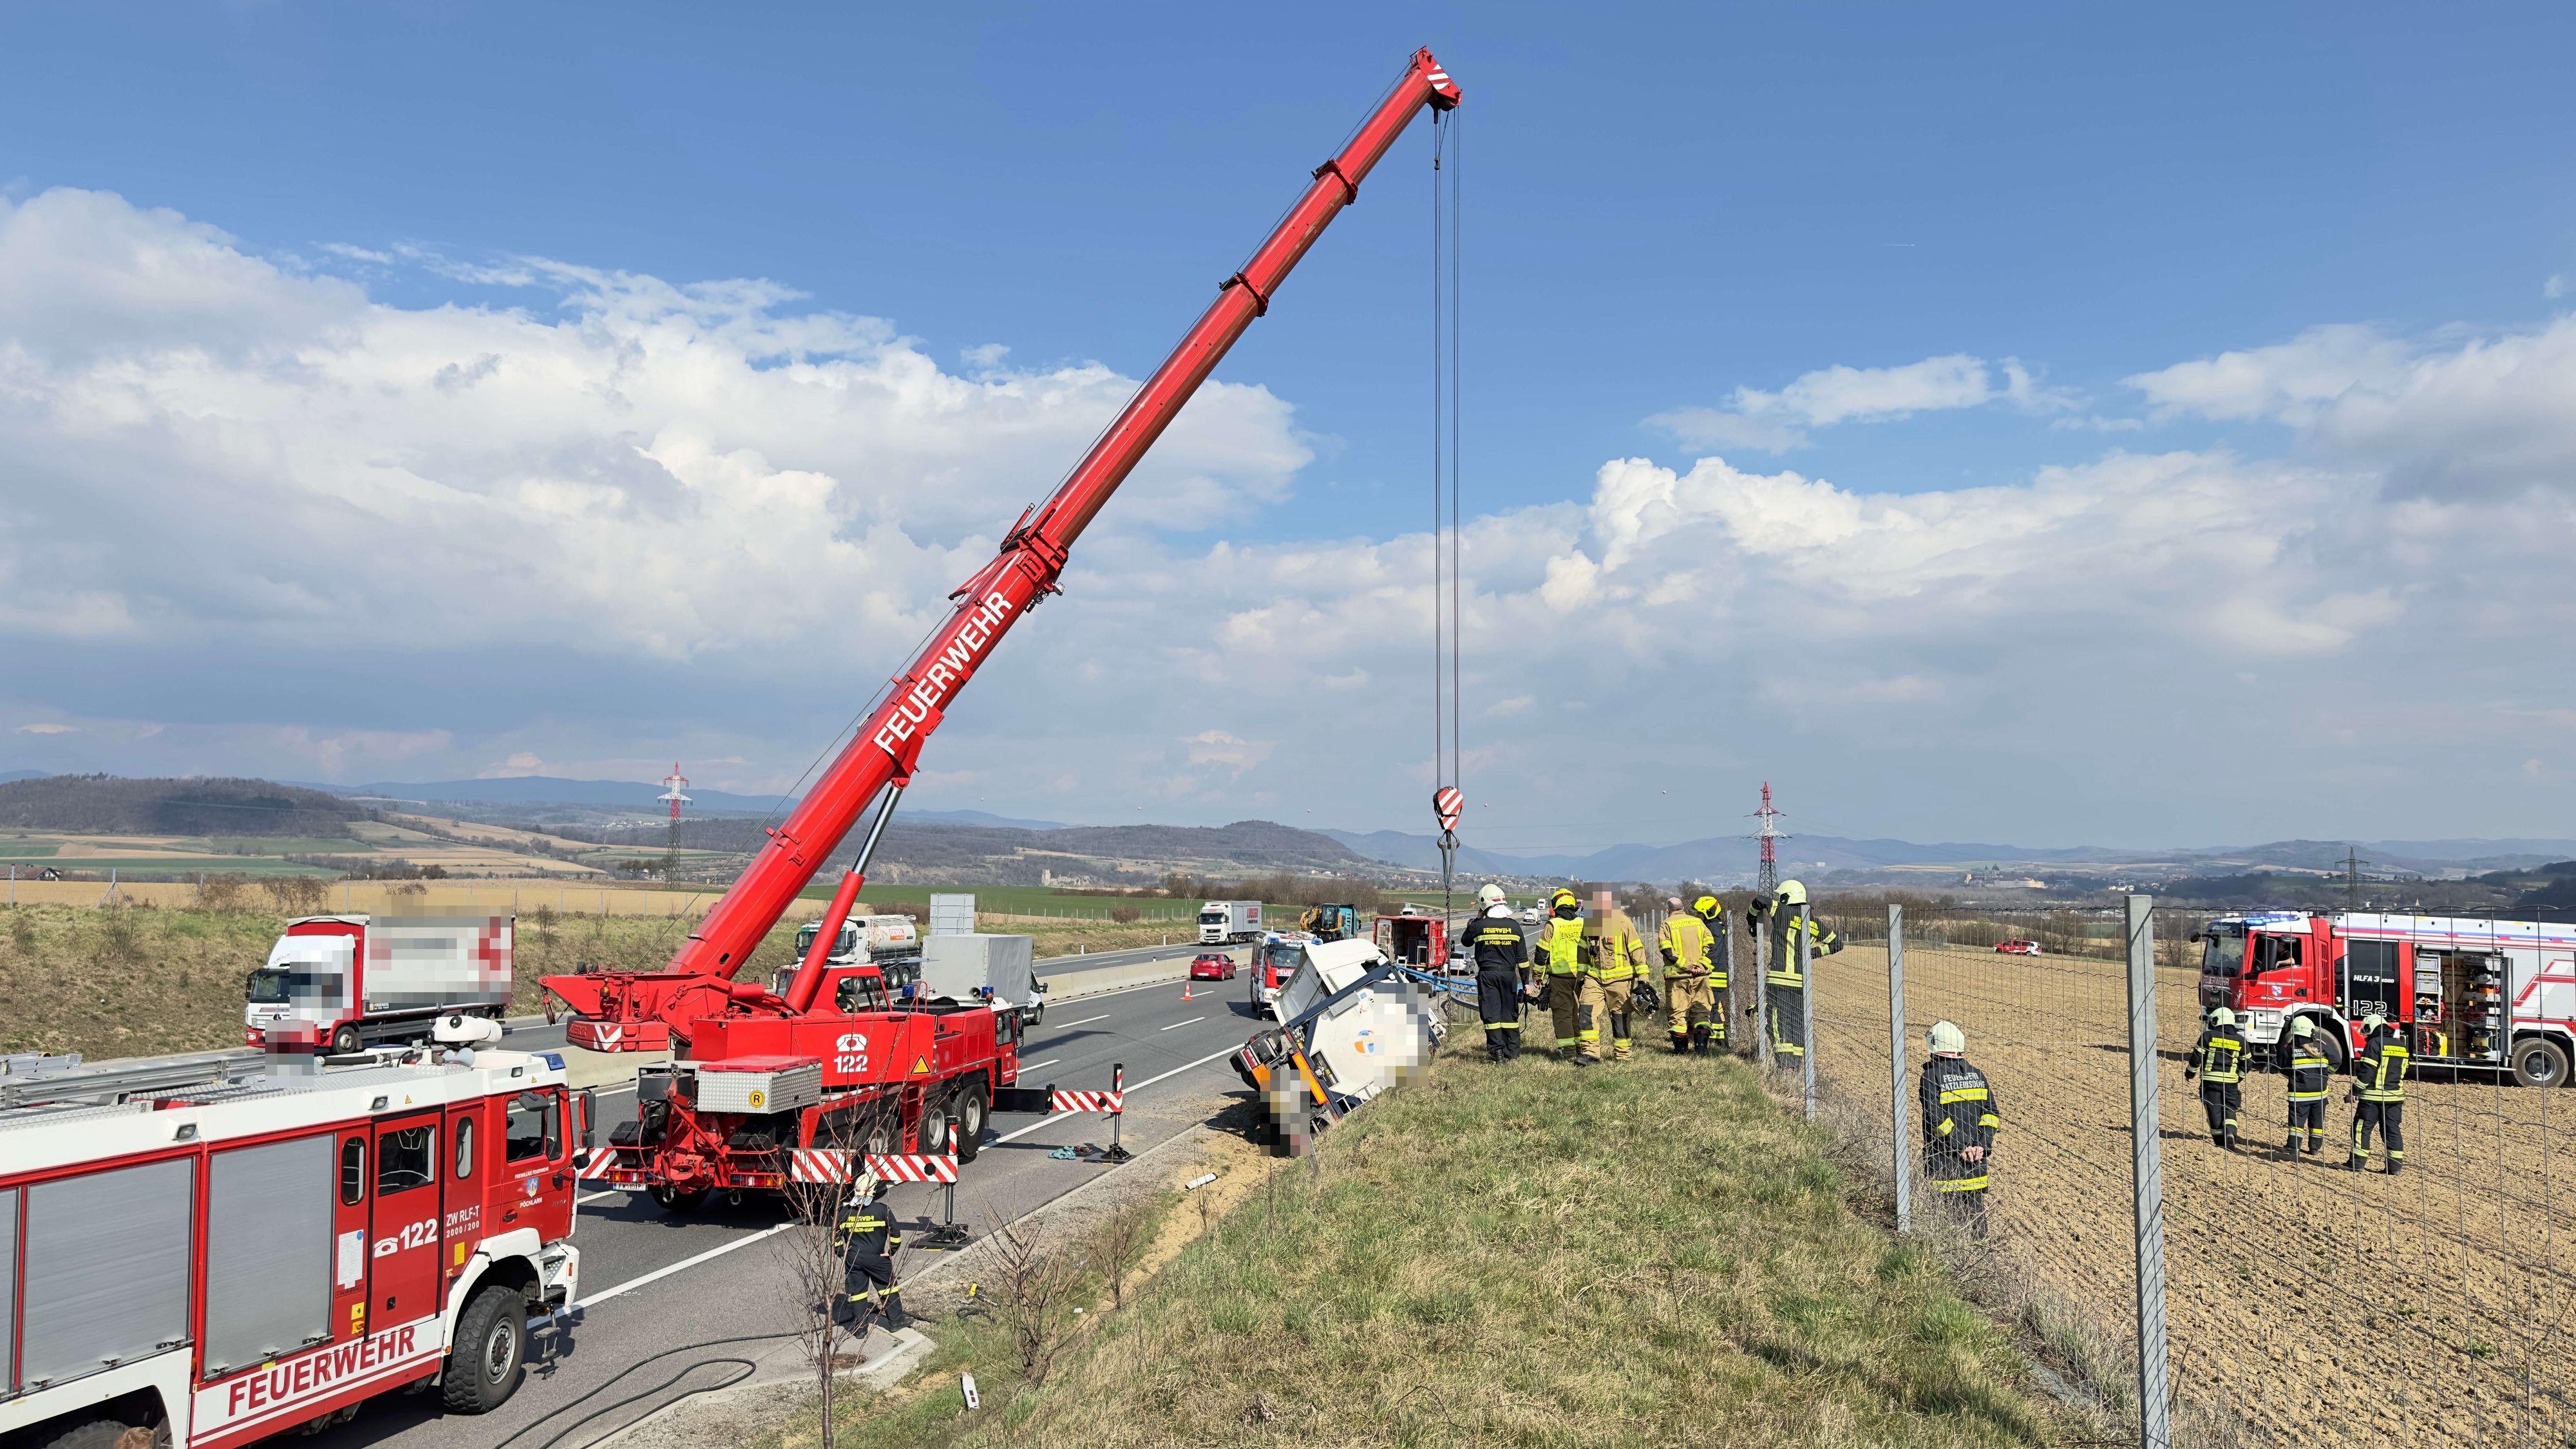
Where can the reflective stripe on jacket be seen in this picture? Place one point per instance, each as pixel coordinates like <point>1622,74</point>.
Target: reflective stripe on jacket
<point>1690,943</point>
<point>2219,1056</point>
<point>1612,949</point>
<point>2381,1070</point>
<point>2308,1072</point>
<point>1959,1112</point>
<point>1784,945</point>
<point>1495,939</point>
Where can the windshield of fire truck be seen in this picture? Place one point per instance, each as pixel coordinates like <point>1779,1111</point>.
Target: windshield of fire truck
<point>2224,952</point>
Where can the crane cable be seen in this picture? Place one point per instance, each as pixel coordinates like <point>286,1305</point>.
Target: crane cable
<point>1447,562</point>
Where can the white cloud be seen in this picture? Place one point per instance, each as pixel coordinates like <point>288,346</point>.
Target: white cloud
<point>212,447</point>
<point>48,727</point>
<point>2446,415</point>
<point>1775,421</point>
<point>631,520</point>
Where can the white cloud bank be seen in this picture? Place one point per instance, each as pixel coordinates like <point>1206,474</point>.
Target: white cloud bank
<point>639,483</point>
<point>1776,422</point>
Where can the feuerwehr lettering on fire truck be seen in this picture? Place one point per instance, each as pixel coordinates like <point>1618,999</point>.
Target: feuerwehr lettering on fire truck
<point>287,1389</point>
<point>944,674</point>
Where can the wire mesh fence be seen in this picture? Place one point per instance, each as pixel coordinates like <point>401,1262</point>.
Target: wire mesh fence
<point>2304,1302</point>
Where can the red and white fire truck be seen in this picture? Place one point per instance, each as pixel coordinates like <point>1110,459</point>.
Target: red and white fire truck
<point>2498,995</point>
<point>218,1263</point>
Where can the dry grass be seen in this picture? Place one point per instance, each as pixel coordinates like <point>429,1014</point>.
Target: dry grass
<point>1641,1254</point>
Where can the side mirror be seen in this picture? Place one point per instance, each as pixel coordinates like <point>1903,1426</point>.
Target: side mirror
<point>585,1102</point>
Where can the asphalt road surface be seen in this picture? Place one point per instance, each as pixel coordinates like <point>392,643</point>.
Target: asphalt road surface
<point>652,1281</point>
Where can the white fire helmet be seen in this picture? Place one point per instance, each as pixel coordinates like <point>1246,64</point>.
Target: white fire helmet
<point>1489,894</point>
<point>1945,1036</point>
<point>1793,893</point>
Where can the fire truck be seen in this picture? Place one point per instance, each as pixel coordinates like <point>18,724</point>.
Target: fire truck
<point>2469,993</point>
<point>216,1263</point>
<point>767,1087</point>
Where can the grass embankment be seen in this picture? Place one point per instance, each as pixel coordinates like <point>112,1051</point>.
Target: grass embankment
<point>1648,1253</point>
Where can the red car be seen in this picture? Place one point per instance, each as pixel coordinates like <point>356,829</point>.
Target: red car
<point>1212,966</point>
<point>2017,948</point>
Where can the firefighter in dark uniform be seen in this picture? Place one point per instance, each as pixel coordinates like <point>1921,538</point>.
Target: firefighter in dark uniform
<point>2218,1059</point>
<point>2308,1071</point>
<point>1502,963</point>
<point>869,1242</point>
<point>1784,986</point>
<point>2379,1084</point>
<point>1960,1122</point>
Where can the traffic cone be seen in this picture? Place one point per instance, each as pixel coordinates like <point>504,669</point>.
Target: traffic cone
<point>1187,982</point>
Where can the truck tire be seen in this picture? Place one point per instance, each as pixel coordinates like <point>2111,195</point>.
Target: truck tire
<point>2538,1062</point>
<point>973,1108</point>
<point>490,1354</point>
<point>930,1135</point>
<point>346,1040</point>
<point>103,1432</point>
<point>2330,1040</point>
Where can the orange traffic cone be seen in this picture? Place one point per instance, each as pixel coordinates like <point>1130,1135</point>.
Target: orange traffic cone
<point>1187,983</point>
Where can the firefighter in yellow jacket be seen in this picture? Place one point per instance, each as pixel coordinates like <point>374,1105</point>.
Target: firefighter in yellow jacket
<point>1693,943</point>
<point>1615,962</point>
<point>1560,956</point>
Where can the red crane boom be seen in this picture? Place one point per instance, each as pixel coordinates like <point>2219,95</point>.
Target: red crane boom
<point>883,752</point>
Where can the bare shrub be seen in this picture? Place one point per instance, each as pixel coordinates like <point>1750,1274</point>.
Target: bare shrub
<point>811,1253</point>
<point>1125,915</point>
<point>297,895</point>
<point>1121,1239</point>
<point>1033,1292</point>
<point>223,892</point>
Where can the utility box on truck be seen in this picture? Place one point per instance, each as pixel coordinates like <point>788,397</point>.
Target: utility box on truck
<point>357,980</point>
<point>999,969</point>
<point>1226,923</point>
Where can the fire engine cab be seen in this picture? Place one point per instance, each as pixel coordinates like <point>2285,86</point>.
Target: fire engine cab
<point>218,1263</point>
<point>2499,995</point>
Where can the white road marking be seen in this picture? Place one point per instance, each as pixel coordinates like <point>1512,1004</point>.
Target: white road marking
<point>1176,1026</point>
<point>595,1196</point>
<point>1033,1066</point>
<point>1086,1021</point>
<point>658,1274</point>
<point>1140,1086</point>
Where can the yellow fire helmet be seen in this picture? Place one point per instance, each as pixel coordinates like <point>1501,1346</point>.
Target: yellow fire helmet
<point>1708,908</point>
<point>2303,1028</point>
<point>2221,1016</point>
<point>1563,897</point>
<point>1793,893</point>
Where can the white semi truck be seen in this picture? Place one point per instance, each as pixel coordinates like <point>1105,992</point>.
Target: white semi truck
<point>359,980</point>
<point>1228,923</point>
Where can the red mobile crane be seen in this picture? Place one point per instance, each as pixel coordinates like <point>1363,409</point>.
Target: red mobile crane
<point>826,1063</point>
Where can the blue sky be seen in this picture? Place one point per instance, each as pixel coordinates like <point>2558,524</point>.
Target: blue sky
<point>1673,214</point>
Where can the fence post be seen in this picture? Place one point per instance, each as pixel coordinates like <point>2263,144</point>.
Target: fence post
<point>1899,1127</point>
<point>2155,1412</point>
<point>1762,998</point>
<point>1807,1009</point>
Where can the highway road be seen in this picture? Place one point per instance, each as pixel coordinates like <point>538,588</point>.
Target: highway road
<point>652,1281</point>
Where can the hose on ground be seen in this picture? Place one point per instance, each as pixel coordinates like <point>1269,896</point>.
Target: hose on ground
<point>747,1366</point>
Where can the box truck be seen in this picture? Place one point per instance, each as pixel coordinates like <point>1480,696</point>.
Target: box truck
<point>998,969</point>
<point>1227,923</point>
<point>357,980</point>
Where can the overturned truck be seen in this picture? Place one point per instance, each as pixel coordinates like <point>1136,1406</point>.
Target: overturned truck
<point>1352,1024</point>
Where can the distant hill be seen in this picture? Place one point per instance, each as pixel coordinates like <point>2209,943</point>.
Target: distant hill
<point>1720,858</point>
<point>619,794</point>
<point>917,848</point>
<point>112,805</point>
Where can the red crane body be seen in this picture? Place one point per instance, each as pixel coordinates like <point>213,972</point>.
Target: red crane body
<point>693,1002</point>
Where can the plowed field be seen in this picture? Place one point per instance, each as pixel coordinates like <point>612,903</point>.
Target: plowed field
<point>2310,1304</point>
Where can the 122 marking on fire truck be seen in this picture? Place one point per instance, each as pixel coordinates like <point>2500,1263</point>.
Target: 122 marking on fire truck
<point>242,1260</point>
<point>2499,995</point>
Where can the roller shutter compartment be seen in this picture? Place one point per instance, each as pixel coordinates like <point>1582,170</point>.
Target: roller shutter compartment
<point>268,1251</point>
<point>107,1269</point>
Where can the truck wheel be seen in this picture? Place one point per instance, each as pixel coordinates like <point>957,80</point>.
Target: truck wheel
<point>345,1041</point>
<point>490,1355</point>
<point>930,1137</point>
<point>2538,1062</point>
<point>973,1108</point>
<point>106,1433</point>
<point>680,1203</point>
<point>2330,1040</point>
